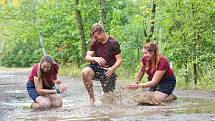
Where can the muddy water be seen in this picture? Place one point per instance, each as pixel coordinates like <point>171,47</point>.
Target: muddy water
<point>15,103</point>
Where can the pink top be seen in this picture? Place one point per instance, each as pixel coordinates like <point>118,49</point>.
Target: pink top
<point>48,75</point>
<point>162,65</point>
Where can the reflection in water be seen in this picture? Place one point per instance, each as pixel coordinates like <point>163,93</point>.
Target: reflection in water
<point>7,76</point>
<point>15,91</point>
<point>194,105</point>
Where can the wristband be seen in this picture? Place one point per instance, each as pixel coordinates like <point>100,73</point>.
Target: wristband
<point>58,91</point>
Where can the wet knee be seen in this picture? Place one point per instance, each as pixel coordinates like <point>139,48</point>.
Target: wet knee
<point>84,74</point>
<point>44,104</point>
<point>57,104</point>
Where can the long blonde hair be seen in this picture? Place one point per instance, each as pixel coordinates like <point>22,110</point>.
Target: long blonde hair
<point>153,49</point>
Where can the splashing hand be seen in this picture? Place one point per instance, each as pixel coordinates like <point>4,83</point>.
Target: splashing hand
<point>132,86</point>
<point>109,72</point>
<point>62,88</point>
<point>57,81</point>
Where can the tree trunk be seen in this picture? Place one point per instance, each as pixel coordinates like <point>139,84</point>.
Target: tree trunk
<point>195,73</point>
<point>186,73</point>
<point>152,22</point>
<point>81,29</point>
<point>103,12</point>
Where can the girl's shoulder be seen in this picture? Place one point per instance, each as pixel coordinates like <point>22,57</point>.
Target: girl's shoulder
<point>163,58</point>
<point>55,66</point>
<point>143,60</point>
<point>35,66</point>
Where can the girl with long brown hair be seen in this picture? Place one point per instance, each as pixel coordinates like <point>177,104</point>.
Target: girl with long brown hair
<point>41,85</point>
<point>161,78</point>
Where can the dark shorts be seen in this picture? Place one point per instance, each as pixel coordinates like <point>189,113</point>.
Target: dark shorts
<point>108,83</point>
<point>166,86</point>
<point>32,92</point>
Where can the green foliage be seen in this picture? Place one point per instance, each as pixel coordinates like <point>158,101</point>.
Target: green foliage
<point>24,57</point>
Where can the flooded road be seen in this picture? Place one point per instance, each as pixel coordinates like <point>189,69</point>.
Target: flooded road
<point>15,103</point>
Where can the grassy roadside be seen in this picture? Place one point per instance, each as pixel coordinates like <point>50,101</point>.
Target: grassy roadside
<point>129,77</point>
<point>73,70</point>
<point>70,70</point>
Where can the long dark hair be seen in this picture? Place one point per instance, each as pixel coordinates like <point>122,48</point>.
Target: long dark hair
<point>41,73</point>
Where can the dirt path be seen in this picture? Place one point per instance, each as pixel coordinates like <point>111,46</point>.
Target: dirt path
<point>191,105</point>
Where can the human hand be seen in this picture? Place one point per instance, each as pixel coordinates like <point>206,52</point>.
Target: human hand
<point>57,81</point>
<point>101,61</point>
<point>62,88</point>
<point>132,86</point>
<point>109,71</point>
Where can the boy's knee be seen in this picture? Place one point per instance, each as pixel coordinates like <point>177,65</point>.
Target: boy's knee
<point>85,72</point>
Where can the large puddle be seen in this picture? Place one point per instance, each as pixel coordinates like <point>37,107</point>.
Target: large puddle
<point>123,107</point>
<point>196,105</point>
<point>190,105</point>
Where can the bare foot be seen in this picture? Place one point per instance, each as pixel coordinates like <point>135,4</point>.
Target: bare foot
<point>35,105</point>
<point>92,100</point>
<point>170,98</point>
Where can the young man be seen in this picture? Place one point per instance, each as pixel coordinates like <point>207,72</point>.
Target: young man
<point>105,57</point>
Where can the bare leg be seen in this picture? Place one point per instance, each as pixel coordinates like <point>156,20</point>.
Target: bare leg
<point>87,74</point>
<point>44,102</point>
<point>56,101</point>
<point>160,96</point>
<point>152,98</point>
<point>35,105</point>
<point>170,98</point>
<point>148,98</point>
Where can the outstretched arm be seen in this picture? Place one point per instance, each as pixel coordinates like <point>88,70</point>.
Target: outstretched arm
<point>139,77</point>
<point>155,80</point>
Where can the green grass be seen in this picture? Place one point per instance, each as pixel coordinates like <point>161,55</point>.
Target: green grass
<point>75,71</point>
<point>129,76</point>
<point>70,70</point>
